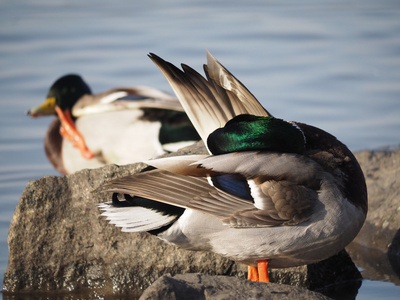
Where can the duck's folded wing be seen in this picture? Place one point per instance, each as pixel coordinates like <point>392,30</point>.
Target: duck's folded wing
<point>279,201</point>
<point>292,167</point>
<point>125,99</point>
<point>283,186</point>
<point>178,190</point>
<point>213,102</point>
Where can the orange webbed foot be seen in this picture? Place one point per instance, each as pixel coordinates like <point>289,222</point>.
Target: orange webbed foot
<point>259,273</point>
<point>252,273</point>
<point>262,266</point>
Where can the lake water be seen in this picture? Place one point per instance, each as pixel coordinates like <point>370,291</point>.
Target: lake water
<point>332,64</point>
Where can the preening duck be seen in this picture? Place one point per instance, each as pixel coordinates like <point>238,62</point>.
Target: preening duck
<point>121,126</point>
<point>271,193</point>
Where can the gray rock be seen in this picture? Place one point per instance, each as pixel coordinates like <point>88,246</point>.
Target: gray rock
<point>59,242</point>
<point>198,286</point>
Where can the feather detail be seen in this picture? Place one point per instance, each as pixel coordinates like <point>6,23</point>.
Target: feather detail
<point>161,186</point>
<point>184,165</point>
<point>179,190</point>
<point>234,184</point>
<point>266,165</point>
<point>196,193</point>
<point>135,218</point>
<point>125,99</point>
<point>241,99</point>
<point>209,103</point>
<point>111,97</point>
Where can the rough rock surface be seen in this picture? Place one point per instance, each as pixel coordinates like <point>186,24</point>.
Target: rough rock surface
<point>59,242</point>
<point>197,286</point>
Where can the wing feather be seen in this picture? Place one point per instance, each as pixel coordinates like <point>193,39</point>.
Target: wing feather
<point>238,96</point>
<point>196,193</point>
<point>125,99</point>
<point>135,218</point>
<point>209,103</point>
<point>272,165</point>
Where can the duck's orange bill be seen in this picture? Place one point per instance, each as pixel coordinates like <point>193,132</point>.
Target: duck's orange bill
<point>259,273</point>
<point>69,131</point>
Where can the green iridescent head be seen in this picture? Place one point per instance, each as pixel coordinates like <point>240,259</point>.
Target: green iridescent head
<point>252,133</point>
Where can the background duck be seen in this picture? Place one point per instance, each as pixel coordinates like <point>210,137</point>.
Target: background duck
<point>272,193</point>
<point>121,126</point>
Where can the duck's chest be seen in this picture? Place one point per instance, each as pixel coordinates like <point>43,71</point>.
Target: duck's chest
<point>115,137</point>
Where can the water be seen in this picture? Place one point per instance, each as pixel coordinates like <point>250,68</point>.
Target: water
<point>332,64</point>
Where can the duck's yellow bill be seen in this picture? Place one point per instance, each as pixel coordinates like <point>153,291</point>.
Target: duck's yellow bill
<point>46,109</point>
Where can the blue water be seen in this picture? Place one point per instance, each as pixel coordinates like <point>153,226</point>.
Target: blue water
<point>332,64</point>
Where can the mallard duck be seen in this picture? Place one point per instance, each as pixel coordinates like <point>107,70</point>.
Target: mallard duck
<point>271,193</point>
<point>121,126</point>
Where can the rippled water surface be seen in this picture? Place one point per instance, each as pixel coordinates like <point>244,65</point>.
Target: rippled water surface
<point>333,64</point>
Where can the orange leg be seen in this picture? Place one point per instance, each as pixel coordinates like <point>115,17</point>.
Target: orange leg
<point>259,273</point>
<point>263,270</point>
<point>69,131</point>
<point>252,273</point>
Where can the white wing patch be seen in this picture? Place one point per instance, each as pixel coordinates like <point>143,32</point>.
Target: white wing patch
<point>258,196</point>
<point>135,218</point>
<point>113,96</point>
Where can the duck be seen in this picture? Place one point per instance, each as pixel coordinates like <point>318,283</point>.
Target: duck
<point>120,126</point>
<point>270,193</point>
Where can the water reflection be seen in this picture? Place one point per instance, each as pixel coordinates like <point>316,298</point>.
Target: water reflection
<point>376,264</point>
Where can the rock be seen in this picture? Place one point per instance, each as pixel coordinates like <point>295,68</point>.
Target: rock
<point>376,249</point>
<point>59,242</point>
<point>199,286</point>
